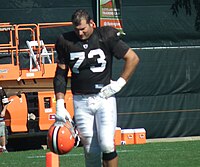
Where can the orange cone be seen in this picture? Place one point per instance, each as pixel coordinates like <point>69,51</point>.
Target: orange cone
<point>52,160</point>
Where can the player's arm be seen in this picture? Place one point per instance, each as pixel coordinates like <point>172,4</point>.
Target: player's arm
<point>3,112</point>
<point>60,81</point>
<point>131,62</point>
<point>60,84</point>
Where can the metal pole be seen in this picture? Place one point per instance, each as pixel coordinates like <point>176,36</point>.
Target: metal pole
<point>97,12</point>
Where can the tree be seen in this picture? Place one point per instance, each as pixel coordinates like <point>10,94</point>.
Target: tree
<point>186,4</point>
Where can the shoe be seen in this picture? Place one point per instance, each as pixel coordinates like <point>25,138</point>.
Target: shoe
<point>5,150</point>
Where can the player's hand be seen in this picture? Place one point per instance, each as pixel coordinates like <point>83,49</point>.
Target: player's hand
<point>112,88</point>
<point>2,114</point>
<point>61,113</point>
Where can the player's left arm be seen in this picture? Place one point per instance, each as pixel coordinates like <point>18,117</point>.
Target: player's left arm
<point>3,112</point>
<point>131,61</point>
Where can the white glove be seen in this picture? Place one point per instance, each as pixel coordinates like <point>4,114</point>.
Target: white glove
<point>61,113</point>
<point>112,88</point>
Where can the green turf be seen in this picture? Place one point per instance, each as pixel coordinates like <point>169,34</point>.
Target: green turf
<point>169,154</point>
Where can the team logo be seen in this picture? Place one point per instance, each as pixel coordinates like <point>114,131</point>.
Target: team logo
<point>85,46</point>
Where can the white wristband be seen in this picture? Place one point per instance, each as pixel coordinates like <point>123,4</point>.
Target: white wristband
<point>60,104</point>
<point>121,82</point>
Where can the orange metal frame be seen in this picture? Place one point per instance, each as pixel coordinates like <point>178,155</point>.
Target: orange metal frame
<point>8,47</point>
<point>12,71</point>
<point>17,111</point>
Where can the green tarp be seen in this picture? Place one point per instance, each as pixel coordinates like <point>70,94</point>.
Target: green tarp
<point>163,95</point>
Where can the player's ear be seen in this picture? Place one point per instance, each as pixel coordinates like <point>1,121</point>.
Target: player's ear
<point>92,23</point>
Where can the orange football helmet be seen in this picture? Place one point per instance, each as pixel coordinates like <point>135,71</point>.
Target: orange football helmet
<point>61,137</point>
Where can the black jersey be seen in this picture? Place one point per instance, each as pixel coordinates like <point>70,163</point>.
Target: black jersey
<point>90,60</point>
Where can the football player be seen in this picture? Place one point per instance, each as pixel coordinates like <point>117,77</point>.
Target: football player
<point>88,52</point>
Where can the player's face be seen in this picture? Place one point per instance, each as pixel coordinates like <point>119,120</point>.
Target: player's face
<point>84,30</point>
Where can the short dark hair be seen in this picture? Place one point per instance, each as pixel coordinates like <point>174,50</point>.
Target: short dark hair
<point>78,15</point>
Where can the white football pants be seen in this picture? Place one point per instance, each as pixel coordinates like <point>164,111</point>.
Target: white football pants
<point>96,120</point>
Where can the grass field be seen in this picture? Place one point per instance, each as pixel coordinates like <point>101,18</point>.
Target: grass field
<point>158,154</point>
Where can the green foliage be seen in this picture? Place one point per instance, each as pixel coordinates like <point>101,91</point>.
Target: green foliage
<point>186,4</point>
<point>176,154</point>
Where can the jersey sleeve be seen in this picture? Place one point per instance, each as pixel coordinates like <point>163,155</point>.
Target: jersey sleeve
<point>120,49</point>
<point>61,50</point>
<point>117,47</point>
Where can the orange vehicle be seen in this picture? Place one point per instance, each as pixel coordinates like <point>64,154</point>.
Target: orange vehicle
<point>30,88</point>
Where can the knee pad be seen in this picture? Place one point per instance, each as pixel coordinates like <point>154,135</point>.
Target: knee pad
<point>109,156</point>
<point>107,146</point>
